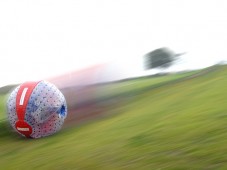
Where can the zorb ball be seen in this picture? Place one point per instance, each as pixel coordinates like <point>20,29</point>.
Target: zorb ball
<point>36,109</point>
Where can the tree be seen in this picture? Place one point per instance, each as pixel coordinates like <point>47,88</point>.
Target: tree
<point>160,58</point>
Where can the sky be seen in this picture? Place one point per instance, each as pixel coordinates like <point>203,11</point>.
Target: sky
<point>46,38</point>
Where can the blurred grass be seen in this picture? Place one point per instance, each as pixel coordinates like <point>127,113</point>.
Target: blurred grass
<point>177,126</point>
<point>3,99</point>
<point>138,84</point>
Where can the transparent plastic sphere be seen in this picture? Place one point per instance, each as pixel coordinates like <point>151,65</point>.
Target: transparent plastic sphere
<point>36,109</point>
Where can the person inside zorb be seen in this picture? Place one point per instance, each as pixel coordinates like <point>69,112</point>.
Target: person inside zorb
<point>36,109</point>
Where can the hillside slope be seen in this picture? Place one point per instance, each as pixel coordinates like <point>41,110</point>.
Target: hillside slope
<point>179,125</point>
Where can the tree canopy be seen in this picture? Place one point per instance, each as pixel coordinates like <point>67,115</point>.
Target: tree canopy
<point>160,58</point>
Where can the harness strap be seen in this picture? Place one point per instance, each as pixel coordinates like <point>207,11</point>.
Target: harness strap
<point>22,99</point>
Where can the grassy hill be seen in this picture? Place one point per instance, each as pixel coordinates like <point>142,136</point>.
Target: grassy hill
<point>7,89</point>
<point>3,99</point>
<point>176,125</point>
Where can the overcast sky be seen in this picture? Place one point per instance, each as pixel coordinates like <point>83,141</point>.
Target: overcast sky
<point>44,38</point>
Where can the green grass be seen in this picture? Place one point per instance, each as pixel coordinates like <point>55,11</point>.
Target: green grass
<point>176,126</point>
<point>3,99</point>
<point>134,85</point>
